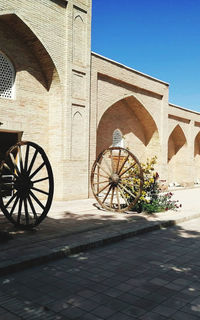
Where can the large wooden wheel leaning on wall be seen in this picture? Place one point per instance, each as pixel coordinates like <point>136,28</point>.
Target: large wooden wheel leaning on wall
<point>117,179</point>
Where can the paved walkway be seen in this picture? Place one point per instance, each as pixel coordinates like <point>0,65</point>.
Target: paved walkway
<point>154,276</point>
<point>74,226</point>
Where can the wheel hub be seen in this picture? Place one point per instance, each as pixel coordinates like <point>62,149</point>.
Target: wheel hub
<point>23,186</point>
<point>114,179</point>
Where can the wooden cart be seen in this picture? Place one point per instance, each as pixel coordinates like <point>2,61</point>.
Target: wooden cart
<point>117,179</point>
<point>26,184</point>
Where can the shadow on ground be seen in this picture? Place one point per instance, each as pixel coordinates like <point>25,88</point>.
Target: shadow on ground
<point>151,276</point>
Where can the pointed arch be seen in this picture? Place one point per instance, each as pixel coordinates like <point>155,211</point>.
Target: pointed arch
<point>37,86</point>
<point>197,144</point>
<point>176,141</point>
<point>178,157</point>
<point>137,125</point>
<point>79,40</point>
<point>78,17</point>
<point>78,136</point>
<point>14,24</point>
<point>196,160</point>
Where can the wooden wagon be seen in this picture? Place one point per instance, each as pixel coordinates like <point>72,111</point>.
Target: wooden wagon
<point>27,184</point>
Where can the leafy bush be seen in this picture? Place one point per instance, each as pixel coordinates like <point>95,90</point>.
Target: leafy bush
<point>151,200</point>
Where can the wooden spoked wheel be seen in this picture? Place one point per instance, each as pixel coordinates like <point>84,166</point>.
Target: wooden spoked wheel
<point>117,179</point>
<point>26,185</point>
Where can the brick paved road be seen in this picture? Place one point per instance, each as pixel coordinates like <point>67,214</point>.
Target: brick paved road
<point>149,277</point>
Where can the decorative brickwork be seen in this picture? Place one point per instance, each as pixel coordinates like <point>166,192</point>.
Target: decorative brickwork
<point>48,43</point>
<point>7,77</point>
<point>71,101</point>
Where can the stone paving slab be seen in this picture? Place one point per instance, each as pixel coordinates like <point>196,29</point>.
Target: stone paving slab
<point>154,276</point>
<point>78,225</point>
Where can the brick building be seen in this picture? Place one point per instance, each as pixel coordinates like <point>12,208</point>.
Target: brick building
<point>55,92</point>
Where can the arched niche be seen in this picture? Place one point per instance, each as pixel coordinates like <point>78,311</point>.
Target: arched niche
<point>79,40</point>
<point>197,158</point>
<point>176,141</point>
<point>135,123</point>
<point>37,106</point>
<point>78,137</point>
<point>178,157</point>
<point>15,27</point>
<point>197,145</point>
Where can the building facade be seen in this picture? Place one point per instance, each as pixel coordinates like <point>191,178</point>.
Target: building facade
<point>55,92</point>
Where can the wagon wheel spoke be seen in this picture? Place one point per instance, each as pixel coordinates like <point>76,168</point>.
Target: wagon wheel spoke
<point>118,202</point>
<point>14,164</point>
<point>128,177</point>
<point>133,165</point>
<point>123,164</point>
<point>32,162</point>
<point>39,190</point>
<point>36,200</point>
<point>123,195</point>
<point>107,165</point>
<point>100,175</point>
<point>11,199</point>
<point>129,182</point>
<point>108,174</point>
<point>19,211</point>
<point>103,188</point>
<point>100,182</point>
<point>32,207</point>
<point>112,196</point>
<point>14,205</point>
<point>40,180</point>
<point>104,199</point>
<point>122,190</point>
<point>26,158</point>
<point>20,159</point>
<point>37,170</point>
<point>26,211</point>
<point>118,160</point>
<point>112,163</point>
<point>30,197</point>
<point>128,191</point>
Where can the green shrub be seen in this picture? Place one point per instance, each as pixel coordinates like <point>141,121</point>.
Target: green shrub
<point>151,200</point>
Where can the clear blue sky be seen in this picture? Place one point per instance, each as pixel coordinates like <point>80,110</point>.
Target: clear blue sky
<point>159,37</point>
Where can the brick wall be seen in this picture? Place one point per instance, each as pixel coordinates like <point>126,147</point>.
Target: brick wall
<point>70,103</point>
<point>49,45</point>
<point>137,104</point>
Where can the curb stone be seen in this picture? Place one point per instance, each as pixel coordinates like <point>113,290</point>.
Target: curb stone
<point>86,241</point>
